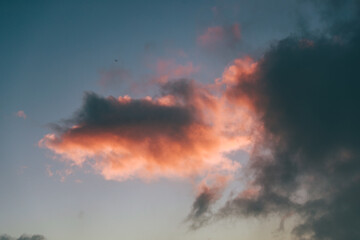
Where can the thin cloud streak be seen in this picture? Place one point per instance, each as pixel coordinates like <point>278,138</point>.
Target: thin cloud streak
<point>22,237</point>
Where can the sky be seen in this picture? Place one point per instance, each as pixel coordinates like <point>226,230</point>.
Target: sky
<point>173,120</point>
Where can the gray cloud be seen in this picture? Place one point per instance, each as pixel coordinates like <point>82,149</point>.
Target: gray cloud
<point>209,193</point>
<point>22,237</point>
<point>199,214</point>
<point>306,93</point>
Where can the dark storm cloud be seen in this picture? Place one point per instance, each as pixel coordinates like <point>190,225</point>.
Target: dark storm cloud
<point>99,113</point>
<point>22,237</point>
<point>306,94</point>
<point>108,112</point>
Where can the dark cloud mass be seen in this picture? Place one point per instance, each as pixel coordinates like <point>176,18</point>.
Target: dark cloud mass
<point>107,112</point>
<point>22,237</point>
<point>306,93</point>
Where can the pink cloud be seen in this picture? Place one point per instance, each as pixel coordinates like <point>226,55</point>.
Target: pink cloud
<point>220,36</point>
<point>211,36</point>
<point>167,69</point>
<point>21,114</point>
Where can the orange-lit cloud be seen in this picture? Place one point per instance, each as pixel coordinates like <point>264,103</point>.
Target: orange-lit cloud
<point>238,71</point>
<point>239,79</point>
<point>187,131</point>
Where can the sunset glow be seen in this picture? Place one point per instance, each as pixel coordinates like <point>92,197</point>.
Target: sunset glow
<point>180,120</point>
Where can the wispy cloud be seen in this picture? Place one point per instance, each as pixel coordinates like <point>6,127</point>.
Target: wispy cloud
<point>168,69</point>
<point>21,114</point>
<point>220,36</point>
<point>22,237</point>
<point>208,192</point>
<point>114,76</point>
